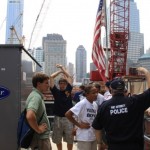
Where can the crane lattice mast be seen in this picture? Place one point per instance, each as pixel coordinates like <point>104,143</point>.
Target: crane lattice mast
<point>119,35</point>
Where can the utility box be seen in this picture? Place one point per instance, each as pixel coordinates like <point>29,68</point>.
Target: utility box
<point>17,67</point>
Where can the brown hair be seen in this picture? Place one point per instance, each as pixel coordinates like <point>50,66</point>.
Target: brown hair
<point>39,77</point>
<point>97,86</point>
<point>88,88</point>
<point>82,87</point>
<point>62,80</point>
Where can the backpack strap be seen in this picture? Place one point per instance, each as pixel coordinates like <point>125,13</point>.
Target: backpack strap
<point>41,115</point>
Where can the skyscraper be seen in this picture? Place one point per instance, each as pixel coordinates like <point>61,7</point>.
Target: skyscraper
<point>54,47</point>
<point>70,68</point>
<point>134,17</point>
<point>39,56</point>
<point>136,39</point>
<point>92,67</point>
<point>135,46</point>
<point>14,21</point>
<point>144,61</point>
<point>81,63</point>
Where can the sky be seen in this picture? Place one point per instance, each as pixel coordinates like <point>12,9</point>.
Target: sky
<point>73,19</point>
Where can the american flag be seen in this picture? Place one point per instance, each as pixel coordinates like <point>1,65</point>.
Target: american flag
<point>98,54</point>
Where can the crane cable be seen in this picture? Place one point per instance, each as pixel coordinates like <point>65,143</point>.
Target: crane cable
<point>2,23</point>
<point>35,24</point>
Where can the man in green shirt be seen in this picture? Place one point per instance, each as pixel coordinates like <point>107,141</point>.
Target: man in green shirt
<point>35,108</point>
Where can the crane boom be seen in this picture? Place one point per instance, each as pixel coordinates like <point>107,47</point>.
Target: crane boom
<point>43,10</point>
<point>14,34</point>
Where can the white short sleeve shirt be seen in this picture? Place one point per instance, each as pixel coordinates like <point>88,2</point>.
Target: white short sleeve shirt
<point>85,112</point>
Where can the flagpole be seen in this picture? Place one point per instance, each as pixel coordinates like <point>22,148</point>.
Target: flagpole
<point>106,30</point>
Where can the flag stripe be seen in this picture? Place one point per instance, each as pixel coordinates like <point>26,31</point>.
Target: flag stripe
<point>98,54</point>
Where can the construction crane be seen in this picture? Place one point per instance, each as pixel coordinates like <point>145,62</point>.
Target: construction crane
<point>43,10</point>
<point>119,35</point>
<point>14,37</point>
<point>118,38</point>
<point>14,34</point>
<point>2,23</point>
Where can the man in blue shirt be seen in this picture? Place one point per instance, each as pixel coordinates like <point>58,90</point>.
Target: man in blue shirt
<point>77,95</point>
<point>62,127</point>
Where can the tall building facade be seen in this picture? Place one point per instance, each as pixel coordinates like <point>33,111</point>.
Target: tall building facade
<point>14,21</point>
<point>38,54</point>
<point>81,63</point>
<point>144,61</point>
<point>136,39</point>
<point>135,46</point>
<point>71,68</point>
<point>92,67</point>
<point>148,51</point>
<point>54,47</point>
<point>134,17</point>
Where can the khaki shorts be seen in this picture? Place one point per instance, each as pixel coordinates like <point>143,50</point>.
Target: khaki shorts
<point>89,145</point>
<point>62,128</point>
<point>40,144</point>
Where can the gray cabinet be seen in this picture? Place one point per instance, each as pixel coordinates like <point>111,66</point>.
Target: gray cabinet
<point>17,67</point>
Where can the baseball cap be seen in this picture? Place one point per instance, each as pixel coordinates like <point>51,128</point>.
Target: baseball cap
<point>118,84</point>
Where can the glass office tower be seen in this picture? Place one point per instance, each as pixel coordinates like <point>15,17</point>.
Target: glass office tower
<point>136,39</point>
<point>14,21</point>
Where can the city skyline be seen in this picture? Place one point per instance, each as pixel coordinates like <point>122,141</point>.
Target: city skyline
<point>76,23</point>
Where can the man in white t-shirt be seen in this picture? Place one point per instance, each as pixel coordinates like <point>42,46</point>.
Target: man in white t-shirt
<point>85,112</point>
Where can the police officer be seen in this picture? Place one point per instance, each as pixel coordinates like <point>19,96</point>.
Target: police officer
<point>122,117</point>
